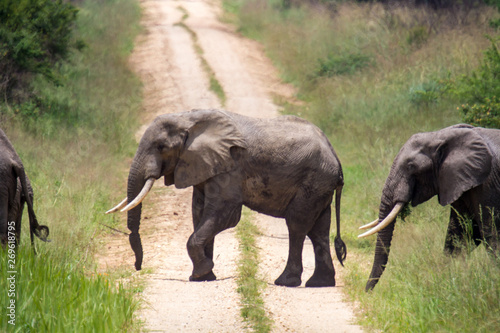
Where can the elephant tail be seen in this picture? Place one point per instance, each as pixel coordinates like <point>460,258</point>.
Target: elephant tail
<point>340,247</point>
<point>41,231</point>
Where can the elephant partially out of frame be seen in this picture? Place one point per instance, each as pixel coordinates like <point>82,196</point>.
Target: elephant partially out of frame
<point>461,165</point>
<point>15,191</point>
<point>283,167</point>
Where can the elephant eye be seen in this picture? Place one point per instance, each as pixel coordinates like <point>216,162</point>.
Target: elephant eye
<point>160,147</point>
<point>412,167</point>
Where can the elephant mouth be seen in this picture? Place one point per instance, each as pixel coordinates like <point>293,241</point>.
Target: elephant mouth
<point>376,225</point>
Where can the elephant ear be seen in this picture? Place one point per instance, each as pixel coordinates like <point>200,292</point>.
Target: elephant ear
<point>466,163</point>
<point>207,148</point>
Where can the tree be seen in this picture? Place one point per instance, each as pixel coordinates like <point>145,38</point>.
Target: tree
<point>34,36</point>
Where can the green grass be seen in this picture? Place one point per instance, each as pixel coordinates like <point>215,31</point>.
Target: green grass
<point>250,288</point>
<point>73,142</point>
<point>423,290</point>
<point>384,71</point>
<point>56,296</point>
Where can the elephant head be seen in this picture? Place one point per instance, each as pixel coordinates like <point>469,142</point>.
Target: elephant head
<point>445,163</point>
<point>186,149</point>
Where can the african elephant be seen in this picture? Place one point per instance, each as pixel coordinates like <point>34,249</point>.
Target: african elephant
<point>461,164</point>
<point>15,191</point>
<point>283,167</point>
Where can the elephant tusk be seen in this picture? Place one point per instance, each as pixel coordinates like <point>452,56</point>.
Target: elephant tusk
<point>392,215</point>
<point>118,207</point>
<point>145,190</point>
<point>369,225</point>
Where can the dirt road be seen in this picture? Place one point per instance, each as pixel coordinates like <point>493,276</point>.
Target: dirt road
<point>174,80</point>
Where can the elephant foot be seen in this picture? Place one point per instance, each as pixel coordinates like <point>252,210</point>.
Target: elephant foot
<point>321,281</point>
<point>288,280</point>
<point>207,277</point>
<point>202,271</point>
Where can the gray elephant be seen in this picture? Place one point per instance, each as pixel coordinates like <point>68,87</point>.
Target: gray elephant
<point>283,167</point>
<point>15,191</point>
<point>461,165</point>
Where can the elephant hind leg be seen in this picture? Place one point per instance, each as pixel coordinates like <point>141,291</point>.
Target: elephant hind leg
<point>324,272</point>
<point>291,276</point>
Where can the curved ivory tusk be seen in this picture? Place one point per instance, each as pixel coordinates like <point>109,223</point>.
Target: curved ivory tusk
<point>369,225</point>
<point>118,207</point>
<point>392,215</point>
<point>138,199</point>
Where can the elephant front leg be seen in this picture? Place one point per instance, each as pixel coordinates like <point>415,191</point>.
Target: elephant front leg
<point>216,207</point>
<point>202,264</point>
<point>198,204</point>
<point>462,233</point>
<point>200,246</point>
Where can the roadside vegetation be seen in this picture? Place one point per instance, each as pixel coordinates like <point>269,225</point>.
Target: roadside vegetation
<point>69,105</point>
<point>370,75</point>
<point>250,287</point>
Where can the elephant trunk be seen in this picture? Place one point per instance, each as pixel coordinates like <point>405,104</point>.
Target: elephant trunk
<point>140,182</point>
<point>385,229</point>
<point>382,249</point>
<point>135,185</point>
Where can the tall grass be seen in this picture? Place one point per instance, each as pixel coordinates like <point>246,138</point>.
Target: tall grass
<point>54,296</point>
<point>72,145</point>
<point>423,290</point>
<point>371,77</point>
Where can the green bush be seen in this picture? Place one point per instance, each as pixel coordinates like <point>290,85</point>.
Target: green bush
<point>426,93</point>
<point>486,114</point>
<point>342,64</point>
<point>34,36</point>
<point>479,91</point>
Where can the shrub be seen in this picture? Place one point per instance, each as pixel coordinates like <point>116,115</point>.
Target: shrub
<point>480,90</point>
<point>486,114</point>
<point>348,63</point>
<point>34,36</point>
<point>426,93</point>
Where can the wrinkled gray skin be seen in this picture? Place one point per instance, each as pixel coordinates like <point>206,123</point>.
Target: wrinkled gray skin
<point>15,191</point>
<point>460,164</point>
<point>282,167</point>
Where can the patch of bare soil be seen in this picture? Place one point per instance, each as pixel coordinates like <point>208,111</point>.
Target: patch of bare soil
<point>174,81</point>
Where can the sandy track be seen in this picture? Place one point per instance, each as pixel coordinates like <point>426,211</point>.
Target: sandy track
<point>174,81</point>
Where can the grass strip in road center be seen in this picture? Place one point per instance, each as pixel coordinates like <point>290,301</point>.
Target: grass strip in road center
<point>249,287</point>
<point>215,85</point>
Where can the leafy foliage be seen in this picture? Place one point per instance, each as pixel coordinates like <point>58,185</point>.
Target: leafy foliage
<point>426,93</point>
<point>480,91</point>
<point>34,36</point>
<point>495,22</point>
<point>342,64</point>
<point>486,114</point>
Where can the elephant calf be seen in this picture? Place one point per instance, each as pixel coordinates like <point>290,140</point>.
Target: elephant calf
<point>15,191</point>
<point>283,167</point>
<point>461,165</point>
